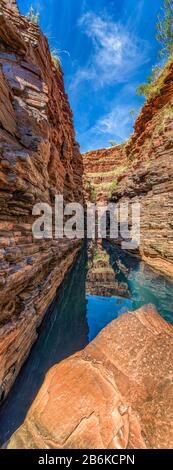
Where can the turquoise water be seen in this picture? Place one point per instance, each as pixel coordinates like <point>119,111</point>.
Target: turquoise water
<point>90,298</point>
<point>102,310</point>
<point>144,284</point>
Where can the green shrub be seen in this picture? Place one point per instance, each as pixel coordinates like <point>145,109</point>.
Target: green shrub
<point>112,188</point>
<point>112,143</point>
<point>146,88</point>
<point>132,113</point>
<point>55,58</point>
<point>165,37</point>
<point>93,194</point>
<point>166,115</point>
<point>165,28</point>
<point>92,190</point>
<point>32,16</point>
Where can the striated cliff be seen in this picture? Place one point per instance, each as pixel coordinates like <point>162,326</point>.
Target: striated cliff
<point>39,158</point>
<point>108,396</point>
<point>141,169</point>
<point>101,170</point>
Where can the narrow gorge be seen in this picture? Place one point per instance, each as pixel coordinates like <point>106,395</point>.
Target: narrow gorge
<point>79,338</point>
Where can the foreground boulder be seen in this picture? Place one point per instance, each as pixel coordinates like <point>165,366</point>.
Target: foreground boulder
<point>117,393</point>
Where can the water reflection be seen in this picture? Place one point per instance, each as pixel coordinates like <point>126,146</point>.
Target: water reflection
<point>107,294</point>
<point>144,284</point>
<point>117,282</point>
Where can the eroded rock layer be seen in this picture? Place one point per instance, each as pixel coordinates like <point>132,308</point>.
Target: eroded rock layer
<point>117,393</point>
<point>39,158</point>
<point>102,168</point>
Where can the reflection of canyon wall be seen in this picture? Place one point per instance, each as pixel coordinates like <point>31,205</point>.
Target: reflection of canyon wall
<point>38,159</point>
<point>147,173</point>
<point>101,277</point>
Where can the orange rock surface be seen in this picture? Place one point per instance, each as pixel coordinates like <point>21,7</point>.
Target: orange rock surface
<point>101,168</point>
<point>117,393</point>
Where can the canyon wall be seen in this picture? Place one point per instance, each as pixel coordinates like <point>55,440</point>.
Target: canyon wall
<point>141,170</point>
<point>101,169</point>
<point>39,158</point>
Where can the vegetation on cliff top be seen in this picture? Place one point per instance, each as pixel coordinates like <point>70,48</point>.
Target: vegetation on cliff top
<point>165,37</point>
<point>55,58</point>
<point>33,16</point>
<point>165,28</point>
<point>112,143</point>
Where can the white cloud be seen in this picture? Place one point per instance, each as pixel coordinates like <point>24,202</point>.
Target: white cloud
<point>116,53</point>
<point>116,125</point>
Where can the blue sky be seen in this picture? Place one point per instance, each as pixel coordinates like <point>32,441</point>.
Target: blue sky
<point>107,48</point>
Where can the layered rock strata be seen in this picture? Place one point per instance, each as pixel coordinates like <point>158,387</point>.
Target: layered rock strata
<point>115,394</point>
<point>101,170</point>
<point>39,158</point>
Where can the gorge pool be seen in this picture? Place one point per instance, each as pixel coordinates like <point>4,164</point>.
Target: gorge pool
<point>104,283</point>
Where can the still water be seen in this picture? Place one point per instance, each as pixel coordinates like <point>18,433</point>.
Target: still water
<point>104,284</point>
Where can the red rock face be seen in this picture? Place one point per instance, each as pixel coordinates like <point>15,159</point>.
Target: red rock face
<point>101,171</point>
<point>115,394</point>
<point>39,158</point>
